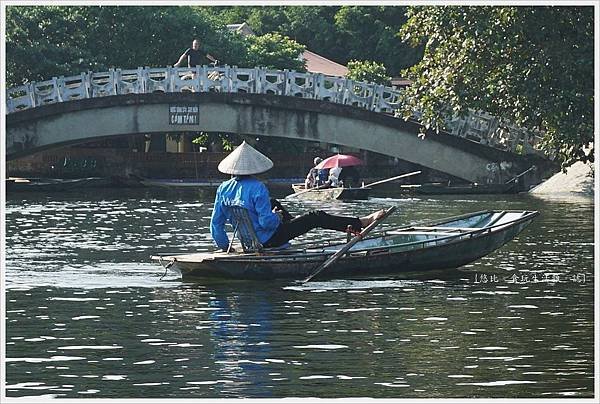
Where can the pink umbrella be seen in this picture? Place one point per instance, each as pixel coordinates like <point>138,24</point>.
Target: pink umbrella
<point>339,160</point>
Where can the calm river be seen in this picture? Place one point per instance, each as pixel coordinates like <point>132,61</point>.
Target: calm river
<point>88,316</point>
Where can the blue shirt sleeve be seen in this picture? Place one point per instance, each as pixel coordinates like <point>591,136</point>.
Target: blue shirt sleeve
<point>217,223</point>
<point>262,203</point>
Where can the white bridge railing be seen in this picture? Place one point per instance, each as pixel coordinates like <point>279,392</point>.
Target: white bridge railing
<point>481,128</point>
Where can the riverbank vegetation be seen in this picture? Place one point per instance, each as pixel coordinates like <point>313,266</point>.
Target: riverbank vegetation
<point>533,66</point>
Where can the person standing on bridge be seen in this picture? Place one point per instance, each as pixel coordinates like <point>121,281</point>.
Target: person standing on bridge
<point>196,56</point>
<point>268,218</point>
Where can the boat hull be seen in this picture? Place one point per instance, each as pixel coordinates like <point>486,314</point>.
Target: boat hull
<point>329,194</point>
<point>54,184</point>
<point>389,260</point>
<point>439,189</point>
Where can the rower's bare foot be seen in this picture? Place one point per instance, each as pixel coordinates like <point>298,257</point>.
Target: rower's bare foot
<point>367,220</point>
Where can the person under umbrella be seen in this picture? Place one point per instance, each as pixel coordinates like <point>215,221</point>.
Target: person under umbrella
<point>334,177</point>
<point>243,189</point>
<point>335,164</point>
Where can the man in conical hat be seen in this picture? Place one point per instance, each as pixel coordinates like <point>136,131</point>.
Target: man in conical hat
<point>243,189</point>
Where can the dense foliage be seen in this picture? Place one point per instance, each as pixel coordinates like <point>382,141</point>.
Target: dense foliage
<point>275,51</point>
<point>47,41</point>
<point>366,70</point>
<point>340,33</point>
<point>533,66</point>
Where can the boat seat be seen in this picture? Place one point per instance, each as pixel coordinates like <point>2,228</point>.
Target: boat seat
<point>242,225</point>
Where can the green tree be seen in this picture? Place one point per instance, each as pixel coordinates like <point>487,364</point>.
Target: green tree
<point>529,65</point>
<point>371,33</point>
<point>117,34</point>
<point>310,26</point>
<point>47,41</point>
<point>275,51</point>
<point>366,70</point>
<point>338,33</point>
<point>313,27</point>
<point>42,42</point>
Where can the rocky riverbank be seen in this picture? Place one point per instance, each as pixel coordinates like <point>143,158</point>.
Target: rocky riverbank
<point>578,180</point>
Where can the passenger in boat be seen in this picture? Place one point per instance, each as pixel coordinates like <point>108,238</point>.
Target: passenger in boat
<point>195,56</point>
<point>312,178</point>
<point>243,189</point>
<point>334,177</point>
<point>322,176</point>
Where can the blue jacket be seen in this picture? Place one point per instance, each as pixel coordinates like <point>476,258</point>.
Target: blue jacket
<point>323,176</point>
<point>251,194</point>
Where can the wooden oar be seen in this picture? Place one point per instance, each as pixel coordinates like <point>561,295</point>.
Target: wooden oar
<point>391,179</point>
<point>520,175</point>
<point>349,245</point>
<point>307,190</point>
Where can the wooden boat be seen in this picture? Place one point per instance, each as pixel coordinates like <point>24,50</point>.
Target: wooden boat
<point>327,194</point>
<point>14,184</point>
<point>179,183</point>
<point>449,243</point>
<point>444,189</point>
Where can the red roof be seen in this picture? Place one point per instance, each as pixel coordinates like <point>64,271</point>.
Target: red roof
<point>319,64</point>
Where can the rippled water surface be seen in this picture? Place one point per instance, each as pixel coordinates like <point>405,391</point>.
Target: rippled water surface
<point>88,316</point>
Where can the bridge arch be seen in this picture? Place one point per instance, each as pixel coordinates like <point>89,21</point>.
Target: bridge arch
<point>59,124</point>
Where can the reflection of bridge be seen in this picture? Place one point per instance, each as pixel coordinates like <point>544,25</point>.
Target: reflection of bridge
<point>246,101</point>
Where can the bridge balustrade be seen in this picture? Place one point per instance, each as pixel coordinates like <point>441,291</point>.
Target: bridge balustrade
<point>156,80</point>
<point>102,84</point>
<point>215,79</point>
<point>19,98</point>
<point>270,82</point>
<point>329,88</point>
<point>73,88</point>
<point>46,92</point>
<point>243,80</point>
<point>477,126</point>
<point>184,79</point>
<point>386,101</point>
<point>129,81</point>
<point>299,84</point>
<point>359,94</point>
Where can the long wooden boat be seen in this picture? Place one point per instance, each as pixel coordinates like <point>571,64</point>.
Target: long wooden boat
<point>443,189</point>
<point>14,184</point>
<point>449,243</point>
<point>179,183</point>
<point>327,194</point>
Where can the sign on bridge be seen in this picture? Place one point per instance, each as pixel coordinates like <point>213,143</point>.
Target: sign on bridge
<point>184,114</point>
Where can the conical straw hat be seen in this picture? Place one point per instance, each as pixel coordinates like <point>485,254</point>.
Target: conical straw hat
<point>245,160</point>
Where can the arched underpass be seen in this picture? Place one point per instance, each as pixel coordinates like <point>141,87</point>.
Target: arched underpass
<point>77,121</point>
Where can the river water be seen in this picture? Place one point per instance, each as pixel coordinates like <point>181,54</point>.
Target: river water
<point>88,316</point>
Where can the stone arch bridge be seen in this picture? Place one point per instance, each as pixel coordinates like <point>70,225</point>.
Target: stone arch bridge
<point>254,102</point>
